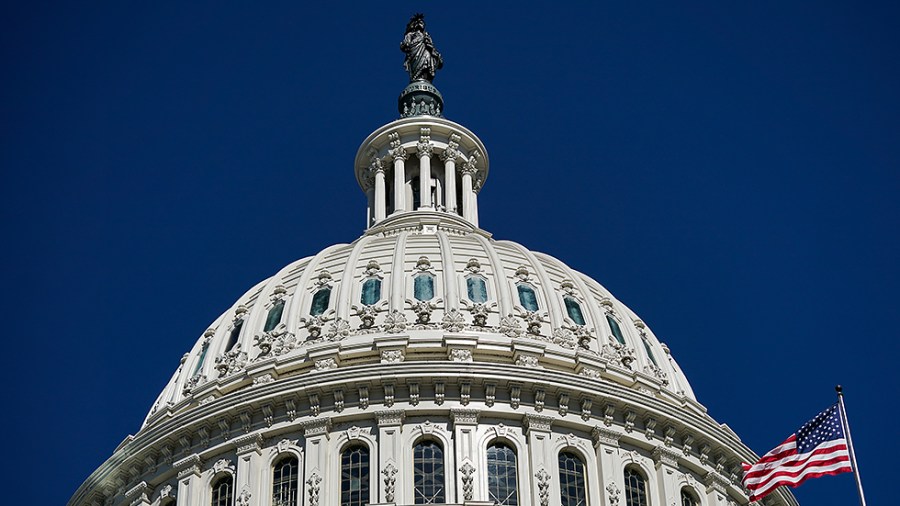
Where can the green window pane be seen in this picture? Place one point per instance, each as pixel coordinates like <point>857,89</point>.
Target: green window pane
<point>649,351</point>
<point>274,316</point>
<point>527,297</point>
<point>574,310</point>
<point>235,333</point>
<point>477,289</point>
<point>614,326</point>
<point>320,302</point>
<point>371,291</point>
<point>423,287</point>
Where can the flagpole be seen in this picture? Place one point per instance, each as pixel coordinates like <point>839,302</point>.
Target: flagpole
<point>859,488</point>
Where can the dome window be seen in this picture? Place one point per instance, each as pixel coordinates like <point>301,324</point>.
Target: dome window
<point>423,287</point>
<point>476,288</point>
<point>614,327</point>
<point>635,488</point>
<point>371,291</point>
<point>503,487</point>
<point>285,482</point>
<point>234,335</point>
<point>201,359</point>
<point>527,297</point>
<point>571,480</point>
<point>428,473</point>
<point>574,310</point>
<point>274,316</point>
<point>649,350</point>
<point>222,491</point>
<point>355,476</point>
<point>320,302</point>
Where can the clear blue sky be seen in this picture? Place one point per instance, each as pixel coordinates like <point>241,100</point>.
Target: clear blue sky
<point>728,170</point>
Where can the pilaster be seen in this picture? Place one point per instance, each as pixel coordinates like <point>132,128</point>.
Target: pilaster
<point>390,472</point>
<point>537,430</point>
<point>317,474</point>
<point>249,461</point>
<point>189,487</point>
<point>666,461</point>
<point>465,423</point>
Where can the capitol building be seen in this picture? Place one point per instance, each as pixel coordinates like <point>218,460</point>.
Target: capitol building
<point>426,362</point>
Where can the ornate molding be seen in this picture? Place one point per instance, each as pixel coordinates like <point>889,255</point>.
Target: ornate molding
<point>543,483</point>
<point>461,416</point>
<point>392,356</point>
<point>312,489</point>
<point>390,417</point>
<point>537,423</point>
<point>390,478</point>
<point>248,443</point>
<point>662,455</point>
<point>188,465</point>
<point>602,435</point>
<point>316,427</point>
<point>468,477</point>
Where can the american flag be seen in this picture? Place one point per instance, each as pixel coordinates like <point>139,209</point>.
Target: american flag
<point>819,448</point>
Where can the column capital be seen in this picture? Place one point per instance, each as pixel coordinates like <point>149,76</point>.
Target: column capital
<point>462,416</point>
<point>389,417</point>
<point>396,151</point>
<point>665,456</point>
<point>424,147</point>
<point>377,166</point>
<point>602,435</point>
<point>248,443</point>
<point>316,427</point>
<point>188,465</point>
<point>537,423</point>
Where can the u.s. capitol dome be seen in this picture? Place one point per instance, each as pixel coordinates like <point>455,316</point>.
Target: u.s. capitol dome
<point>426,363</point>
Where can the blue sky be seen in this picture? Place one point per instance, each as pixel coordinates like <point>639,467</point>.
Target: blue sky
<point>729,171</point>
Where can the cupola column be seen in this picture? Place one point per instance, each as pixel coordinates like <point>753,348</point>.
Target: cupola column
<point>424,149</point>
<point>449,157</point>
<point>398,154</point>
<point>377,168</point>
<point>468,195</point>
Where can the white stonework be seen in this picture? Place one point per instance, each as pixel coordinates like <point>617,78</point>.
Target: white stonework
<point>458,372</point>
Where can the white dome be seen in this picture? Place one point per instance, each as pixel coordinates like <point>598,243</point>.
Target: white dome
<point>570,330</point>
<point>425,331</point>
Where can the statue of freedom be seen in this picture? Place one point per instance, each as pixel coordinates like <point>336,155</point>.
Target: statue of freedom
<point>422,59</point>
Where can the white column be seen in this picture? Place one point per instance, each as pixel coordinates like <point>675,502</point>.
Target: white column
<point>399,156</point>
<point>476,189</point>
<point>666,465</point>
<point>189,488</point>
<point>540,465</point>
<point>449,157</point>
<point>249,453</point>
<point>390,471</point>
<point>465,422</point>
<point>467,194</point>
<point>612,480</point>
<point>317,479</point>
<point>377,168</point>
<point>424,149</point>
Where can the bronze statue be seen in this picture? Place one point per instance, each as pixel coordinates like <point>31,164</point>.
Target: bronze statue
<point>422,59</point>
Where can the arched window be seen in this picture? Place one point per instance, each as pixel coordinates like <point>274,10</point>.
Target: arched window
<point>355,476</point>
<point>476,289</point>
<point>574,310</point>
<point>428,473</point>
<point>285,482</point>
<point>571,480</point>
<point>635,488</point>
<point>203,351</point>
<point>649,350</point>
<point>527,297</point>
<point>222,491</point>
<point>274,316</point>
<point>320,302</point>
<point>235,333</point>
<point>503,486</point>
<point>689,498</point>
<point>614,327</point>
<point>423,287</point>
<point>371,291</point>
